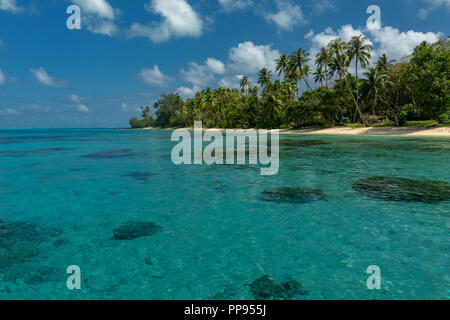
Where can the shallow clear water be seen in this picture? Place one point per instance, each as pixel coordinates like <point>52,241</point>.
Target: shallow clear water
<point>217,235</point>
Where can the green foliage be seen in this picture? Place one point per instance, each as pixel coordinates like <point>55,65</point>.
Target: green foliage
<point>417,89</point>
<point>427,75</point>
<point>168,110</point>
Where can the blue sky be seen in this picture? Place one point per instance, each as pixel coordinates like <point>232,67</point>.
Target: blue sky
<point>128,52</point>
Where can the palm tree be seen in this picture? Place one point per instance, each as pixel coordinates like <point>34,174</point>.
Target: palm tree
<point>245,84</point>
<point>383,64</point>
<point>359,50</point>
<point>339,65</point>
<point>283,66</point>
<point>298,60</point>
<point>375,82</point>
<point>323,59</point>
<point>320,76</point>
<point>264,77</point>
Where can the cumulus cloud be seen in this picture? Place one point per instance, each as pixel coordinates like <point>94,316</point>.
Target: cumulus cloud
<point>387,40</point>
<point>250,58</point>
<point>198,74</point>
<point>233,81</point>
<point>287,17</point>
<point>397,44</point>
<point>433,5</point>
<point>202,75</point>
<point>154,76</point>
<point>10,5</point>
<point>186,93</point>
<point>247,58</point>
<point>99,16</point>
<point>44,78</point>
<point>233,5</point>
<point>178,20</point>
<point>215,65</point>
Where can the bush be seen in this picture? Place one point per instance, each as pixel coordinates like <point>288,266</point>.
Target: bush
<point>445,118</point>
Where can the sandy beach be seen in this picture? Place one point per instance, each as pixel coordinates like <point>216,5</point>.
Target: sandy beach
<point>385,131</point>
<point>382,131</point>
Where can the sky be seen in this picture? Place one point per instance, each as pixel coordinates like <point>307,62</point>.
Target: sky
<point>129,52</point>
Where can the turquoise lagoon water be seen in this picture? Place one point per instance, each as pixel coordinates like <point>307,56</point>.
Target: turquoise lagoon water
<point>217,235</point>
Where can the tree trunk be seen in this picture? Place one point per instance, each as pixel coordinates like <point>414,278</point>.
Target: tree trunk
<point>397,122</point>
<point>357,89</point>
<point>307,84</point>
<point>373,106</point>
<point>356,103</point>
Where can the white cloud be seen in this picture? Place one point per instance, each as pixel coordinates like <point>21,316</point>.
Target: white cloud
<point>154,77</point>
<point>433,5</point>
<point>99,16</point>
<point>44,78</point>
<point>8,112</point>
<point>100,8</point>
<point>77,100</point>
<point>232,5</point>
<point>249,58</point>
<point>397,44</point>
<point>179,20</point>
<point>10,5</point>
<point>186,93</point>
<point>287,17</point>
<point>387,40</point>
<point>202,75</point>
<point>198,75</point>
<point>233,81</point>
<point>215,65</point>
<point>124,107</point>
<point>82,108</point>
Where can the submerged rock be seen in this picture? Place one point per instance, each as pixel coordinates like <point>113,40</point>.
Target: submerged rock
<point>401,189</point>
<point>301,143</point>
<point>141,176</point>
<point>19,242</point>
<point>266,288</point>
<point>123,153</point>
<point>296,195</point>
<point>44,274</point>
<point>134,230</point>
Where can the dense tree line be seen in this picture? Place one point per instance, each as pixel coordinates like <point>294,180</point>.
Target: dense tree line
<point>416,88</point>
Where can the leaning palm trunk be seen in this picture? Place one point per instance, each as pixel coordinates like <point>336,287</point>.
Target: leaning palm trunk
<point>358,110</point>
<point>357,91</point>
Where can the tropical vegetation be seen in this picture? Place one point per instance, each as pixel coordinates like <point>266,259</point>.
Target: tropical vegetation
<point>348,91</point>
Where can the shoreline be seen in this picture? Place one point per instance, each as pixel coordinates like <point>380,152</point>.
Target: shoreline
<point>369,131</point>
